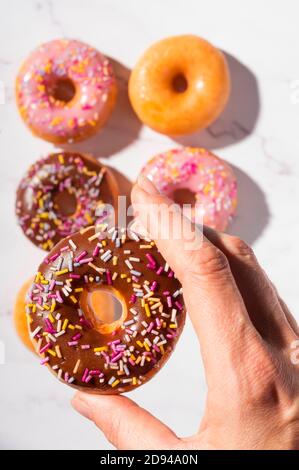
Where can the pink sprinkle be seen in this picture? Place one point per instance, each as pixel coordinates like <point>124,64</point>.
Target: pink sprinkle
<point>179,305</point>
<point>85,322</point>
<point>117,357</point>
<point>85,374</point>
<point>166,292</point>
<point>95,372</point>
<point>85,346</point>
<point>64,248</point>
<point>96,251</point>
<point>43,361</point>
<point>169,301</point>
<point>52,284</point>
<point>66,376</point>
<point>72,343</point>
<point>116,341</point>
<point>158,322</point>
<point>58,297</point>
<point>151,266</point>
<point>79,257</point>
<point>86,260</point>
<point>108,277</point>
<point>151,325</point>
<point>151,259</point>
<point>160,270</point>
<point>131,362</point>
<point>88,379</point>
<point>154,286</point>
<point>170,274</point>
<point>45,348</point>
<point>54,257</point>
<point>77,336</point>
<point>74,276</point>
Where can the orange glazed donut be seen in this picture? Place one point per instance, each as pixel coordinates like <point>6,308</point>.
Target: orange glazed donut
<point>74,341</point>
<point>19,315</point>
<point>180,85</point>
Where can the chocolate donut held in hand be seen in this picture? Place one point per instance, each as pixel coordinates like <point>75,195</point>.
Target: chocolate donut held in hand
<point>73,340</point>
<point>62,193</point>
<point>245,333</point>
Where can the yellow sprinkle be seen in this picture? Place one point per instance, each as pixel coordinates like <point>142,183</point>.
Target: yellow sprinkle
<point>147,310</point>
<point>140,344</point>
<point>129,280</point>
<point>116,382</point>
<point>65,324</point>
<point>172,325</point>
<point>71,327</point>
<point>73,298</point>
<point>62,271</point>
<point>37,277</point>
<point>46,307</point>
<point>58,352</point>
<point>133,357</point>
<point>162,349</point>
<point>53,353</point>
<point>29,318</point>
<point>44,215</point>
<point>51,318</point>
<point>134,382</point>
<point>102,348</point>
<point>79,289</point>
<point>78,327</point>
<point>146,346</point>
<point>138,360</point>
<point>114,260</point>
<point>53,306</point>
<point>123,276</point>
<point>104,243</point>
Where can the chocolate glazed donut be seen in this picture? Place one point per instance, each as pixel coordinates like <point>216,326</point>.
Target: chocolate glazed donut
<point>62,193</point>
<point>74,342</point>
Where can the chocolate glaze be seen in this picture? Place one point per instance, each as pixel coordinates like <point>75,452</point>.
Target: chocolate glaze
<point>62,175</point>
<point>162,323</point>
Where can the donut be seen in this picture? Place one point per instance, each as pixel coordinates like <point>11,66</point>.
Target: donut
<point>180,85</point>
<point>19,315</point>
<point>208,178</point>
<point>62,193</point>
<point>74,342</point>
<point>65,91</point>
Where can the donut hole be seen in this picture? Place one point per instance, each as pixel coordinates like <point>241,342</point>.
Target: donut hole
<point>63,89</point>
<point>104,308</point>
<point>65,203</point>
<point>183,196</point>
<point>179,83</point>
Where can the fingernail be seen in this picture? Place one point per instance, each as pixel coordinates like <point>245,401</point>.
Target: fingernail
<point>82,406</point>
<point>147,185</point>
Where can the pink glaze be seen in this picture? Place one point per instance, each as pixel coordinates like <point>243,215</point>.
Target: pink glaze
<point>94,85</point>
<point>210,179</point>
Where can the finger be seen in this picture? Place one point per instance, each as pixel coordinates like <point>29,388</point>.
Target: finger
<point>211,295</point>
<point>126,425</point>
<point>266,310</point>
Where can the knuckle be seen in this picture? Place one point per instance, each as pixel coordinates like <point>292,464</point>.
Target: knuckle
<point>209,260</point>
<point>241,248</point>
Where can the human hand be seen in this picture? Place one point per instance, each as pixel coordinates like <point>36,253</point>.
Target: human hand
<point>245,332</point>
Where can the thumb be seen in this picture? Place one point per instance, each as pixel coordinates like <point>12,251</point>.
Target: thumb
<point>212,298</point>
<point>126,425</point>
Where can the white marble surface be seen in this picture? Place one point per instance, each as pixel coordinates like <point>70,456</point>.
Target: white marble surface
<point>258,134</point>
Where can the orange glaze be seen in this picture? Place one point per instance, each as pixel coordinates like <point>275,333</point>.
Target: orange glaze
<point>19,315</point>
<point>180,85</point>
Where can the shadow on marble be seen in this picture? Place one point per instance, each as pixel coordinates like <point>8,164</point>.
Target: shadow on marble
<point>253,212</point>
<point>238,119</point>
<point>121,130</point>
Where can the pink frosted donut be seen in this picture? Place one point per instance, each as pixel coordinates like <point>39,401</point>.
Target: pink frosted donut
<point>209,178</point>
<point>65,91</point>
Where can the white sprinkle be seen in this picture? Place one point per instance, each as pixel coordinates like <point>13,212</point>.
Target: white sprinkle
<point>36,331</point>
<point>72,245</point>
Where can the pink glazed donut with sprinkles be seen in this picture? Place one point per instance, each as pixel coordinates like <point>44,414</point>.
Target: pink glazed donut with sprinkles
<point>65,91</point>
<point>207,177</point>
